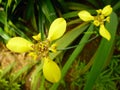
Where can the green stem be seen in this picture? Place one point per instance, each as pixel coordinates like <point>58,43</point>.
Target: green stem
<point>78,44</point>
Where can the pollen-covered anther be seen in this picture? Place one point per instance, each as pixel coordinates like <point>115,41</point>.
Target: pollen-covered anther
<point>43,48</point>
<point>96,23</point>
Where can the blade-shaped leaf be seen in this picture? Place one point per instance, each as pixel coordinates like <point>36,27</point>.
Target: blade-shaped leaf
<point>73,56</point>
<point>103,53</point>
<point>68,38</point>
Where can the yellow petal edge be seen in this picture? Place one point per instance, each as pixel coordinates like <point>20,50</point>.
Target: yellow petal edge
<point>85,16</point>
<point>51,71</point>
<point>57,29</point>
<point>19,45</point>
<point>104,32</point>
<point>107,10</point>
<point>37,37</point>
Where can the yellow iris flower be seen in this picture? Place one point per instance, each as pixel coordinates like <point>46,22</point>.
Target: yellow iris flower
<point>102,16</point>
<point>51,70</point>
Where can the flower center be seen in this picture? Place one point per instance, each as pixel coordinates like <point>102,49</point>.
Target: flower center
<point>42,48</point>
<point>98,20</point>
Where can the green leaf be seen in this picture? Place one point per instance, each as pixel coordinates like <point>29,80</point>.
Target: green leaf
<point>16,75</point>
<point>7,69</point>
<point>78,6</point>
<point>2,17</point>
<point>4,35</point>
<point>74,55</point>
<point>41,22</point>
<point>116,6</point>
<point>30,9</point>
<point>48,10</point>
<point>94,2</point>
<point>17,30</point>
<point>9,3</point>
<point>70,14</point>
<point>103,53</point>
<point>36,75</point>
<point>68,38</point>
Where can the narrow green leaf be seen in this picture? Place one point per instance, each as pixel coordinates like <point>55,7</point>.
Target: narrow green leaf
<point>17,2</point>
<point>7,69</point>
<point>2,17</point>
<point>48,10</point>
<point>30,14</point>
<point>17,30</point>
<point>4,35</point>
<point>73,56</point>
<point>70,14</point>
<point>41,22</point>
<point>24,28</point>
<point>20,72</point>
<point>30,9</point>
<point>78,6</point>
<point>42,87</point>
<point>116,6</point>
<point>68,38</point>
<point>106,2</point>
<point>94,2</point>
<point>36,76</point>
<point>0,1</point>
<point>103,52</point>
<point>9,3</point>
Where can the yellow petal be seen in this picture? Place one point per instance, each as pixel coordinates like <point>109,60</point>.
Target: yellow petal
<point>37,37</point>
<point>19,44</point>
<point>33,55</point>
<point>107,10</point>
<point>85,16</point>
<point>99,11</point>
<point>53,48</point>
<point>104,32</point>
<point>108,19</point>
<point>51,70</point>
<point>57,29</point>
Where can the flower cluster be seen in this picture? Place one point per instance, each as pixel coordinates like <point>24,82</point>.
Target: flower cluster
<point>99,19</point>
<point>41,49</point>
